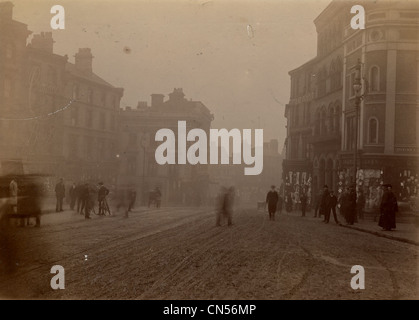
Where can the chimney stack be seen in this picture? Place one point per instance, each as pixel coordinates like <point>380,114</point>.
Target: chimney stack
<point>6,11</point>
<point>84,59</point>
<point>43,41</point>
<point>157,99</point>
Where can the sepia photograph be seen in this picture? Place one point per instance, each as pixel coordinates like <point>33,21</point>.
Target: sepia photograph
<point>209,150</point>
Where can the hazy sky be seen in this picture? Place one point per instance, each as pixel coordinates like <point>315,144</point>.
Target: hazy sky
<point>232,55</point>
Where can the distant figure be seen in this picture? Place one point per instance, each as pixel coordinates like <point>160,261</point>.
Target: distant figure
<point>280,203</point>
<point>351,205</point>
<point>78,190</point>
<point>318,200</point>
<point>122,201</point>
<point>331,207</point>
<point>132,197</point>
<point>59,194</point>
<point>388,209</point>
<point>323,201</point>
<point>271,201</point>
<point>303,200</point>
<point>225,210</point>
<point>85,200</point>
<point>155,196</point>
<point>101,197</point>
<point>360,204</point>
<point>73,196</point>
<point>13,192</point>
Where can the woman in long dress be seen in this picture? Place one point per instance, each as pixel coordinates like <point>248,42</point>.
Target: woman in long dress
<point>388,209</point>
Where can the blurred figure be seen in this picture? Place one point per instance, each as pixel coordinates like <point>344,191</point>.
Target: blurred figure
<point>303,201</point>
<point>360,204</point>
<point>13,193</point>
<point>101,197</point>
<point>226,202</point>
<point>331,206</point>
<point>59,194</point>
<point>388,209</point>
<point>271,202</point>
<point>155,197</point>
<point>122,201</point>
<point>73,196</point>
<point>323,201</point>
<point>280,203</point>
<point>85,200</point>
<point>317,204</point>
<point>132,199</point>
<point>7,240</point>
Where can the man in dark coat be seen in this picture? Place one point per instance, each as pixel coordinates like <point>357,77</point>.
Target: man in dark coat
<point>331,206</point>
<point>60,194</point>
<point>360,203</point>
<point>323,201</point>
<point>272,201</point>
<point>388,209</point>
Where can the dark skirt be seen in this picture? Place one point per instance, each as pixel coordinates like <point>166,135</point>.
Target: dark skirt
<point>387,220</point>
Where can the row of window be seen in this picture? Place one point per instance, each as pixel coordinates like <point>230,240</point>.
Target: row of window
<point>102,123</point>
<point>91,96</point>
<point>90,148</point>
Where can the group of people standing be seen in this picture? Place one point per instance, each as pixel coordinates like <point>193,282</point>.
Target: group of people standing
<point>82,198</point>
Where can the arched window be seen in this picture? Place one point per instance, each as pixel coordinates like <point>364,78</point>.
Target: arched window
<point>337,118</point>
<point>373,130</point>
<point>323,128</point>
<point>331,125</point>
<point>374,79</point>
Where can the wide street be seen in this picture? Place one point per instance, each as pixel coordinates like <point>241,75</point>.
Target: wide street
<point>179,253</point>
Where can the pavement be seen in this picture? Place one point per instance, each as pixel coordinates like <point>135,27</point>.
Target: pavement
<point>407,225</point>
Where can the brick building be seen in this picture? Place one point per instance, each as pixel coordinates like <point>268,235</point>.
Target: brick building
<point>57,118</point>
<point>323,136</point>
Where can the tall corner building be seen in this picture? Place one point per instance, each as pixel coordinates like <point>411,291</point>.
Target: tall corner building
<point>338,135</point>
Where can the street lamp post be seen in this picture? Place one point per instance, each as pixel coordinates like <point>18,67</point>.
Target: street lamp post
<point>357,89</point>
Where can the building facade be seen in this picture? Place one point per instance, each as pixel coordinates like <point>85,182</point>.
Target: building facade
<point>184,184</point>
<point>57,118</point>
<point>337,135</point>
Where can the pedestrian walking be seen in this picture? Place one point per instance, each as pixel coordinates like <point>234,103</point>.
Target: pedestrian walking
<point>271,202</point>
<point>360,204</point>
<point>388,209</point>
<point>280,204</point>
<point>59,194</point>
<point>351,205</point>
<point>303,200</point>
<point>13,193</point>
<point>85,200</point>
<point>101,197</point>
<point>318,200</point>
<point>323,202</point>
<point>78,191</point>
<point>225,210</point>
<point>73,196</point>
<point>132,197</point>
<point>331,207</point>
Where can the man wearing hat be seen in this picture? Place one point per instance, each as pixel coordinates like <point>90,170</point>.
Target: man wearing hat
<point>324,202</point>
<point>271,201</point>
<point>388,209</point>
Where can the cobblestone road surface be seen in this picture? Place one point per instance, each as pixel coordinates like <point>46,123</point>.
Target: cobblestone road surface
<point>178,253</point>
